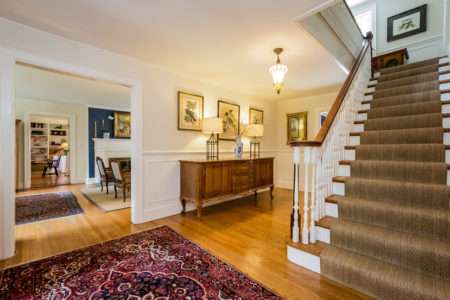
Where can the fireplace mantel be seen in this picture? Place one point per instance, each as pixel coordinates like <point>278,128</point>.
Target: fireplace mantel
<point>106,148</point>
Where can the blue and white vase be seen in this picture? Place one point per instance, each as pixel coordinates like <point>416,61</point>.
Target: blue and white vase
<point>238,147</point>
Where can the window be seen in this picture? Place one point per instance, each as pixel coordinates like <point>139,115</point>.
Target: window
<point>323,116</point>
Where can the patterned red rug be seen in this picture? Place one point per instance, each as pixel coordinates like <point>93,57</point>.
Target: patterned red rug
<point>40,207</point>
<point>154,264</point>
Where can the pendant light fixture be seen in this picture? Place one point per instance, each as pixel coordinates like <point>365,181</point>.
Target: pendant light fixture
<point>278,71</point>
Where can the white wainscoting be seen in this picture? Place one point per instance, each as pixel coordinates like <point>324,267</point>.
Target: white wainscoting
<point>424,49</point>
<point>161,180</point>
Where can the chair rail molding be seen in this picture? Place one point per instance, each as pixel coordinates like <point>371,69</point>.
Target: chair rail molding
<point>8,58</point>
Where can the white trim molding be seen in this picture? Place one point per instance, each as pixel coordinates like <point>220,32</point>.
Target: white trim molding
<point>8,58</point>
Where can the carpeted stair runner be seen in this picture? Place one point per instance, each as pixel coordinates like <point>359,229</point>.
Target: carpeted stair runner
<point>392,237</point>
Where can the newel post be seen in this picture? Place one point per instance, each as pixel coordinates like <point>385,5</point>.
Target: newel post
<point>295,235</point>
<point>307,160</point>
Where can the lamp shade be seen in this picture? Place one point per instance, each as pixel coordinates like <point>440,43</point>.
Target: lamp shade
<point>255,130</point>
<point>212,125</point>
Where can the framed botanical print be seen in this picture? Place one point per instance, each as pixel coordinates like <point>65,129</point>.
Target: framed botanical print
<point>256,116</point>
<point>122,124</point>
<point>296,127</point>
<point>230,114</point>
<point>407,23</point>
<point>190,111</point>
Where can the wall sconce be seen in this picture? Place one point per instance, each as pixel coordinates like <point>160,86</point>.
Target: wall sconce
<point>212,126</point>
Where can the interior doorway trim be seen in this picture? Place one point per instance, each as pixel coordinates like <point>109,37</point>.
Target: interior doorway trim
<point>27,144</point>
<point>8,58</point>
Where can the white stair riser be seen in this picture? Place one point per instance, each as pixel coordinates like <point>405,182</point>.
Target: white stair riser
<point>354,140</point>
<point>443,60</point>
<point>331,209</point>
<point>344,170</point>
<point>304,259</point>
<point>350,154</point>
<point>339,188</point>
<point>323,234</point>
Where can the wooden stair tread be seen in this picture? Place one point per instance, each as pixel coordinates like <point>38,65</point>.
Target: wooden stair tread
<point>447,147</point>
<point>333,199</point>
<point>325,222</point>
<point>314,249</point>
<point>340,179</point>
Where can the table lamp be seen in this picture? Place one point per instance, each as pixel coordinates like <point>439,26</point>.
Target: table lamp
<point>255,131</point>
<point>212,126</point>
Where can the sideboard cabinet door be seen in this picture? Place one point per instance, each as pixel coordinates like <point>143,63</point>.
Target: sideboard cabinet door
<point>262,172</point>
<point>216,179</point>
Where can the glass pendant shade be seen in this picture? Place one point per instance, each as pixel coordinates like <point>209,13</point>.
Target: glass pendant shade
<point>278,72</point>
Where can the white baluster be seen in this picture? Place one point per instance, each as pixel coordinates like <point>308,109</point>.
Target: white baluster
<point>307,160</point>
<point>295,225</point>
<point>312,227</point>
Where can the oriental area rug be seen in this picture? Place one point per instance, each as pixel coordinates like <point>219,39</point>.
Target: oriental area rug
<point>154,264</point>
<point>40,207</point>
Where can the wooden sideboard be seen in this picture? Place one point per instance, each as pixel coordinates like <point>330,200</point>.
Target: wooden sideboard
<point>209,180</point>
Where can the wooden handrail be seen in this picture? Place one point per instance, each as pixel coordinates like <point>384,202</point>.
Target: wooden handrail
<point>317,142</point>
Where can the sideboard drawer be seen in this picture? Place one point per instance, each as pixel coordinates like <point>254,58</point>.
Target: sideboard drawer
<point>240,187</point>
<point>241,178</point>
<point>241,167</point>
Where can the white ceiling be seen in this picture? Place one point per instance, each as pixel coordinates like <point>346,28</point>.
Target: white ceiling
<point>44,85</point>
<point>225,43</point>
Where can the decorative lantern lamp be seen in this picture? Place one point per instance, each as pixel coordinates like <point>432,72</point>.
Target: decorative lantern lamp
<point>212,126</point>
<point>255,131</point>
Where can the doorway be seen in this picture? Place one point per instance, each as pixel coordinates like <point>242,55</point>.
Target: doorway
<point>49,150</point>
<point>8,60</point>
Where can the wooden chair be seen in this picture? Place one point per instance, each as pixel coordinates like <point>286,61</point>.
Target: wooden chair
<point>122,179</point>
<point>52,164</point>
<point>106,175</point>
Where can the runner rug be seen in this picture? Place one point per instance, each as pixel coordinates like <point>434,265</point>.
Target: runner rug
<point>40,207</point>
<point>154,264</point>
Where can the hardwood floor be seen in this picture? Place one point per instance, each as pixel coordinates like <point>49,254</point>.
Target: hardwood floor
<point>249,236</point>
<point>37,181</point>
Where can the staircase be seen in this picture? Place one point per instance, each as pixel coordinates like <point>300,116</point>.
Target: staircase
<point>388,220</point>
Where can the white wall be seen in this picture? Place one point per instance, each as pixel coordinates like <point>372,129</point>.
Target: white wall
<point>420,46</point>
<point>163,144</point>
<point>81,128</point>
<point>313,105</point>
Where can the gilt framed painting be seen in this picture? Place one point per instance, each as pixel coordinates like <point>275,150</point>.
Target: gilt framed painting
<point>122,124</point>
<point>230,114</point>
<point>190,111</point>
<point>296,127</point>
<point>256,116</point>
<point>407,23</point>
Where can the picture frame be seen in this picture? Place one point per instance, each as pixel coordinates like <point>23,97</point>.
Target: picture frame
<point>230,114</point>
<point>296,127</point>
<point>255,116</point>
<point>190,111</point>
<point>407,23</point>
<point>122,124</point>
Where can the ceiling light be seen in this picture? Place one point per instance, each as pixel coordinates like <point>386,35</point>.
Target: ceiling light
<point>278,71</point>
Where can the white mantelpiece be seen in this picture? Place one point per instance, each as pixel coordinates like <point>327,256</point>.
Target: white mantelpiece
<point>106,148</point>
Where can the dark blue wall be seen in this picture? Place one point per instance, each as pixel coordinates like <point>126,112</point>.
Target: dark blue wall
<point>98,114</point>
